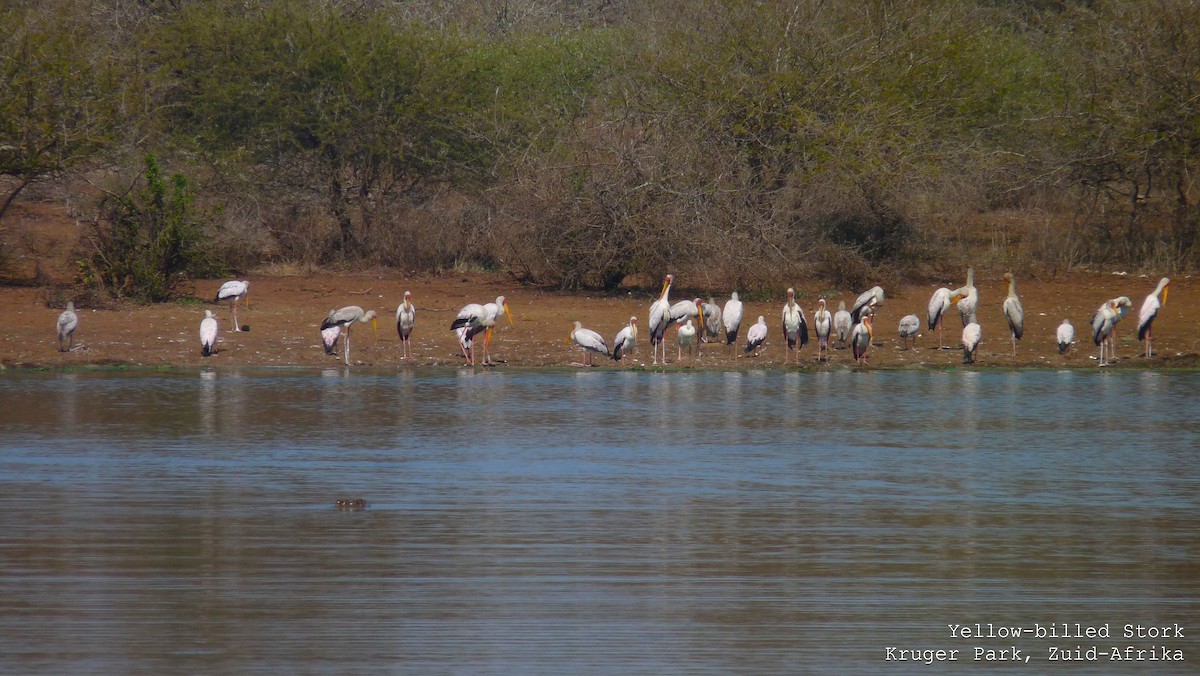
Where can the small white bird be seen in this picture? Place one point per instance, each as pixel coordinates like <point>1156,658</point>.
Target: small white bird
<point>732,318</point>
<point>1014,314</point>
<point>626,340</point>
<point>756,336</point>
<point>351,314</point>
<point>866,302</point>
<point>970,339</point>
<point>822,326</point>
<point>234,291</point>
<point>1065,336</point>
<point>1149,311</point>
<point>208,334</point>
<point>860,339</point>
<point>589,340</point>
<point>843,323</point>
<point>67,321</point>
<point>686,337</point>
<point>406,317</point>
<point>910,325</point>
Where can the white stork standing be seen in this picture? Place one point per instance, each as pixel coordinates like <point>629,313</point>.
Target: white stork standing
<point>660,319</point>
<point>234,291</point>
<point>351,314</point>
<point>939,303</point>
<point>968,299</point>
<point>1014,314</point>
<point>732,318</point>
<point>208,334</point>
<point>406,317</point>
<point>481,318</point>
<point>860,339</point>
<point>626,340</point>
<point>822,326</point>
<point>1104,324</point>
<point>65,326</point>
<point>971,335</point>
<point>795,328</point>
<point>756,336</point>
<point>866,302</point>
<point>1065,336</point>
<point>589,340</point>
<point>1149,311</point>
<point>910,326</point>
<point>843,323</point>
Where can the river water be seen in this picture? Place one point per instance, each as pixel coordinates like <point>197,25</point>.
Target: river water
<point>595,521</point>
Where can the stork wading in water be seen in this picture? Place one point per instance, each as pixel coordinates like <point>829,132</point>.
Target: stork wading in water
<point>860,339</point>
<point>822,326</point>
<point>626,340</point>
<point>968,299</point>
<point>1065,335</point>
<point>731,317</point>
<point>756,336</point>
<point>1014,314</point>
<point>345,317</point>
<point>234,291</point>
<point>939,304</point>
<point>481,319</point>
<point>843,323</point>
<point>795,328</point>
<point>208,334</point>
<point>65,328</point>
<point>1149,311</point>
<point>971,336</point>
<point>589,340</point>
<point>910,326</point>
<point>866,303</point>
<point>406,317</point>
<point>660,319</point>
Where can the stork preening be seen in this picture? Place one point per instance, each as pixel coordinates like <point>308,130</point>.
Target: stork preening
<point>406,317</point>
<point>1104,324</point>
<point>971,336</point>
<point>626,340</point>
<point>1065,335</point>
<point>345,317</point>
<point>910,326</point>
<point>590,341</point>
<point>711,312</point>
<point>1149,311</point>
<point>939,304</point>
<point>65,327</point>
<point>756,336</point>
<point>1014,314</point>
<point>208,334</point>
<point>822,326</point>
<point>866,303</point>
<point>968,297</point>
<point>843,323</point>
<point>731,317</point>
<point>234,291</point>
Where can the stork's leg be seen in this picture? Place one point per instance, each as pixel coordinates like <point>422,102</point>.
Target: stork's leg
<point>347,357</point>
<point>236,325</point>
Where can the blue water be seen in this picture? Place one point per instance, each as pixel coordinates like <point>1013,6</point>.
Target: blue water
<point>589,522</point>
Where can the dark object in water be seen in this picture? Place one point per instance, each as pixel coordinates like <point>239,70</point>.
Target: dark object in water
<point>355,504</point>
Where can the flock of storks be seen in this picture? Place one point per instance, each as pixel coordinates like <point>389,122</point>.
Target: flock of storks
<point>698,322</point>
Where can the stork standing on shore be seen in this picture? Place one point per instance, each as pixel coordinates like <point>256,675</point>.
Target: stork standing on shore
<point>626,340</point>
<point>1014,314</point>
<point>589,340</point>
<point>406,317</point>
<point>843,323</point>
<point>234,291</point>
<point>343,318</point>
<point>822,325</point>
<point>1149,311</point>
<point>65,327</point>
<point>731,317</point>
<point>208,334</point>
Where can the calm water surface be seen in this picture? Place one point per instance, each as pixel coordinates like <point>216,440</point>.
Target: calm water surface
<point>590,522</point>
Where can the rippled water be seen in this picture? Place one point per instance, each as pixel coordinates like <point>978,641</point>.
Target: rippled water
<point>583,522</point>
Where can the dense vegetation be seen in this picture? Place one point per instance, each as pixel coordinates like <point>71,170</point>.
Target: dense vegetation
<point>575,143</point>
